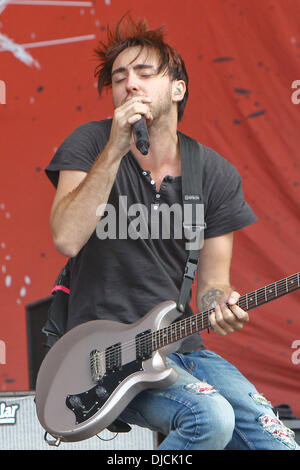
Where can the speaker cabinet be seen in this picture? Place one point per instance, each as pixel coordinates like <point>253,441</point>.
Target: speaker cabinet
<point>36,316</point>
<point>20,430</point>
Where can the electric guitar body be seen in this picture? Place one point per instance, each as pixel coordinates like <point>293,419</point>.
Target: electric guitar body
<point>92,373</point>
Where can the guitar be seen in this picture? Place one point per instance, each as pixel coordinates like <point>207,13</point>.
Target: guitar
<point>93,371</point>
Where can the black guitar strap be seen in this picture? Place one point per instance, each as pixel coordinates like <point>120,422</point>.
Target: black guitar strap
<point>192,163</point>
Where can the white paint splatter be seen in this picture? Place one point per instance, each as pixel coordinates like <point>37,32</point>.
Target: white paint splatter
<point>59,3</point>
<point>8,280</point>
<point>55,42</point>
<point>7,257</point>
<point>3,245</point>
<point>22,291</point>
<point>27,280</point>
<point>3,269</point>
<point>3,4</point>
<point>18,51</point>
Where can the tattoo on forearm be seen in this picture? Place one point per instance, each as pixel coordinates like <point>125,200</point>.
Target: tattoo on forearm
<point>212,295</point>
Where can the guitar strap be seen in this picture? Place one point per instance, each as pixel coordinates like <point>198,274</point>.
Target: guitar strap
<point>192,163</point>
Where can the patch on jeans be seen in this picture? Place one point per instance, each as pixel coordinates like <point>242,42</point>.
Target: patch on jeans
<point>260,399</point>
<point>275,427</point>
<point>200,387</point>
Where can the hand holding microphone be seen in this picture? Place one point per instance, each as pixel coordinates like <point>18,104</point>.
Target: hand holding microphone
<point>141,136</point>
<point>130,120</point>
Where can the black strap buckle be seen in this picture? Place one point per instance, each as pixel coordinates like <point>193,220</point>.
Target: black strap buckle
<point>190,269</point>
<point>194,227</point>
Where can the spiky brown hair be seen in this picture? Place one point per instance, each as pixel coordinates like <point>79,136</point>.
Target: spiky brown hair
<point>137,33</point>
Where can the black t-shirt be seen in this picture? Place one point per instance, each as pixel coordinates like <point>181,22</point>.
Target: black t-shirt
<point>123,278</point>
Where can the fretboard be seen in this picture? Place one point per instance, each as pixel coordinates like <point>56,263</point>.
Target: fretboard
<point>196,323</point>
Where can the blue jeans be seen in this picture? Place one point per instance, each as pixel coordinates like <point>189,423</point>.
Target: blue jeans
<point>210,406</point>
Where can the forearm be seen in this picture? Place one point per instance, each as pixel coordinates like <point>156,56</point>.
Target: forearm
<point>76,215</point>
<point>209,294</point>
<point>214,290</point>
<point>74,218</point>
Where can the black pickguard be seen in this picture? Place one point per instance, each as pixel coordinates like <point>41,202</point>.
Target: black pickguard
<point>86,404</point>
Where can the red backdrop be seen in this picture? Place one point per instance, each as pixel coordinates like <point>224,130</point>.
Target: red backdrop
<point>242,57</point>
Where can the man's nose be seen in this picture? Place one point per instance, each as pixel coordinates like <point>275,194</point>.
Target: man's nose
<point>132,83</point>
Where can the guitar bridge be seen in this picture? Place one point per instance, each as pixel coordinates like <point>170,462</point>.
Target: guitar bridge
<point>97,364</point>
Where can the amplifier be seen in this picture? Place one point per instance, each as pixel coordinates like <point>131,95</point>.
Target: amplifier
<point>20,430</point>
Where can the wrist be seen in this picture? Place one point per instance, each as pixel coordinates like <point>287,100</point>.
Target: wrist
<point>114,152</point>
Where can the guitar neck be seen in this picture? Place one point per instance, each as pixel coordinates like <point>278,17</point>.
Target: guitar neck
<point>199,322</point>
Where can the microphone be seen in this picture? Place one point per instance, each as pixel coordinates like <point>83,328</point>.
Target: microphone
<point>141,136</point>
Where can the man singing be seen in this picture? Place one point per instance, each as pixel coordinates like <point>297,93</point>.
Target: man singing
<point>211,405</point>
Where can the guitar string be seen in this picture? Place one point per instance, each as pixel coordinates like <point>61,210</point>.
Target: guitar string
<point>168,331</point>
<point>199,317</point>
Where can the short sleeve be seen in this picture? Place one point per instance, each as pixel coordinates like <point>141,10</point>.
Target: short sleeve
<point>225,207</point>
<point>80,149</point>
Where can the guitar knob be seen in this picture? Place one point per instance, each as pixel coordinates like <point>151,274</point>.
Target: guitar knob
<point>101,392</point>
<point>76,402</point>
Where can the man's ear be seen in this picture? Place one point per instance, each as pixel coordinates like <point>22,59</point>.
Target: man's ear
<point>179,89</point>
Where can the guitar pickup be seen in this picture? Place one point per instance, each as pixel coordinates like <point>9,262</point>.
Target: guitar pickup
<point>113,358</point>
<point>143,343</point>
